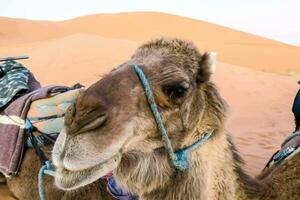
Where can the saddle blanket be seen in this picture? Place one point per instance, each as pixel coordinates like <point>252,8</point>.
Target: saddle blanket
<point>15,80</point>
<point>34,104</point>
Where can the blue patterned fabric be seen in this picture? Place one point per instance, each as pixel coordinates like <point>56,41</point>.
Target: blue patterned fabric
<point>118,192</point>
<point>13,78</point>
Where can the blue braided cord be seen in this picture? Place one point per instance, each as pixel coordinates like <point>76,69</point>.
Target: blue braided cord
<point>182,154</point>
<point>45,169</point>
<point>283,154</point>
<point>28,126</point>
<point>179,159</point>
<point>199,142</point>
<point>154,110</point>
<point>49,172</point>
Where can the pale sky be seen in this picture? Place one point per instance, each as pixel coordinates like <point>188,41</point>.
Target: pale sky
<point>276,19</point>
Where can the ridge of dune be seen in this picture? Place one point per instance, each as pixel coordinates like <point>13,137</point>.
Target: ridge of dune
<point>68,59</point>
<point>232,46</point>
<point>16,31</point>
<point>166,24</point>
<point>22,31</point>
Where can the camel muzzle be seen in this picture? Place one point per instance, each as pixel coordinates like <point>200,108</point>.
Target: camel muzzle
<point>86,122</point>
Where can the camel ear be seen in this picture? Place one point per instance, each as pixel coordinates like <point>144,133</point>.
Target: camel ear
<point>207,66</point>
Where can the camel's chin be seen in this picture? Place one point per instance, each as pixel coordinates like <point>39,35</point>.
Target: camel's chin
<point>69,180</point>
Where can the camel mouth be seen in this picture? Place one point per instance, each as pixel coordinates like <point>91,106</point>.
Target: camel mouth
<point>66,179</point>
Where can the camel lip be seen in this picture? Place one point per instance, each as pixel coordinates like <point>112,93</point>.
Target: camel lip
<point>72,179</point>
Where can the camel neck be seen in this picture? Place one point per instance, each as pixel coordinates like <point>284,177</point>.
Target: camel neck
<point>221,168</point>
<point>214,173</point>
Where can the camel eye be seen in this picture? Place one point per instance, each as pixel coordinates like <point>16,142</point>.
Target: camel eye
<point>175,91</point>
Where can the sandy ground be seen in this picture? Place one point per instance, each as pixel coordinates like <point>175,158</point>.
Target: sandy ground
<point>256,76</point>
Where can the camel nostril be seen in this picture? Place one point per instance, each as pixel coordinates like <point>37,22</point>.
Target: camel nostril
<point>89,112</point>
<point>93,124</point>
<point>87,122</point>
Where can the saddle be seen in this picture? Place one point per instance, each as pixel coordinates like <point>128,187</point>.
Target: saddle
<point>22,103</point>
<point>47,116</point>
<point>291,144</point>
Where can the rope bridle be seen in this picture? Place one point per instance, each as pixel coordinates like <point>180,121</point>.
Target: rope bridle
<point>179,159</point>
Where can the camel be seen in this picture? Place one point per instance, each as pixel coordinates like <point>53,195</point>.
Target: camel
<point>111,128</point>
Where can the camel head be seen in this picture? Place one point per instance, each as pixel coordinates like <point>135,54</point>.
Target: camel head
<point>112,123</point>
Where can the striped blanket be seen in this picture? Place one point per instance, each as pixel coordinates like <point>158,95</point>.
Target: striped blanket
<point>34,105</point>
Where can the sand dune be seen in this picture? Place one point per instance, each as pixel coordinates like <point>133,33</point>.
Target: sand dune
<point>19,31</point>
<point>259,111</point>
<point>74,58</point>
<point>84,49</point>
<point>233,46</point>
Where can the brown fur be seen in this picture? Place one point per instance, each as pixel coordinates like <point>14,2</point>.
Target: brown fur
<point>25,186</point>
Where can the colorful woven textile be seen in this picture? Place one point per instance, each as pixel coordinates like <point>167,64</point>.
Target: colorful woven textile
<point>13,78</point>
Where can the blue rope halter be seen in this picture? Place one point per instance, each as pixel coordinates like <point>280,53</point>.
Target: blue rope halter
<point>46,168</point>
<point>179,159</point>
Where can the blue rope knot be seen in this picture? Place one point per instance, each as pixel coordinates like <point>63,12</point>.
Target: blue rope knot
<point>179,160</point>
<point>48,168</point>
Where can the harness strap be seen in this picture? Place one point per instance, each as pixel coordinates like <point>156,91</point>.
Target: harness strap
<point>42,140</point>
<point>38,119</point>
<point>179,160</point>
<point>29,129</point>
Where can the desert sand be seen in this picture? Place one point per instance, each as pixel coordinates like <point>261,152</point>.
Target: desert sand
<point>256,76</point>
